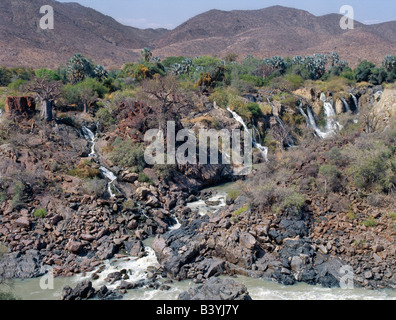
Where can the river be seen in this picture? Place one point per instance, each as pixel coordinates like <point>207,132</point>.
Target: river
<point>138,269</point>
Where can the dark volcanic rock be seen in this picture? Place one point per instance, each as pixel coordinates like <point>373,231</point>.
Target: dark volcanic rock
<point>22,266</point>
<point>217,289</point>
<point>83,290</point>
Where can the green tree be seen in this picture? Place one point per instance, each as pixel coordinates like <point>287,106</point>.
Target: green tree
<point>84,93</point>
<point>364,71</point>
<point>78,68</point>
<point>5,77</point>
<point>389,63</point>
<point>100,73</point>
<point>48,74</point>
<point>146,54</point>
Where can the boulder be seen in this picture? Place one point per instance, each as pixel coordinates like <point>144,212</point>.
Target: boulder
<point>20,106</point>
<point>23,222</point>
<point>134,248</point>
<point>247,240</point>
<point>83,290</point>
<point>142,193</point>
<point>74,246</point>
<point>130,177</point>
<point>217,289</point>
<point>339,106</point>
<point>22,266</point>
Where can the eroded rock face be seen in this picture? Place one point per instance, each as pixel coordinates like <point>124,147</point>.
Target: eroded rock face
<point>386,107</point>
<point>20,105</point>
<point>217,289</point>
<point>22,266</point>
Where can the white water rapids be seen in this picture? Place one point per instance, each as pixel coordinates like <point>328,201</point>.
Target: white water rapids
<point>138,269</point>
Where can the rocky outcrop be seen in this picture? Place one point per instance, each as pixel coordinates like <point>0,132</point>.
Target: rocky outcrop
<point>385,108</point>
<point>22,266</point>
<point>20,106</point>
<point>217,289</point>
<point>84,291</point>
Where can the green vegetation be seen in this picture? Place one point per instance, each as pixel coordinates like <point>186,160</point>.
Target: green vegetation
<point>237,213</point>
<point>39,213</point>
<point>392,215</point>
<point>144,178</point>
<point>85,170</point>
<point>370,222</point>
<point>128,154</point>
<point>233,194</point>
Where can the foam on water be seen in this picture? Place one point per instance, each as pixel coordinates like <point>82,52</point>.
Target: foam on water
<point>202,208</point>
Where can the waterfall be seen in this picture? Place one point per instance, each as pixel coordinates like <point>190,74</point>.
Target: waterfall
<point>257,132</point>
<point>91,137</point>
<point>112,177</point>
<point>88,135</point>
<point>331,124</point>
<point>263,150</point>
<point>313,125</point>
<point>346,105</point>
<point>175,226</point>
<point>355,100</point>
<point>289,139</point>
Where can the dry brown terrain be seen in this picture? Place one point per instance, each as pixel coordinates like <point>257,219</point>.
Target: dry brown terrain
<point>272,31</point>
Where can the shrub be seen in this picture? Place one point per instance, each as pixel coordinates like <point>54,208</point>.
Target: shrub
<point>290,101</point>
<point>254,109</point>
<point>233,194</point>
<point>18,197</point>
<point>374,169</point>
<point>66,120</point>
<point>128,154</point>
<point>266,109</point>
<point>334,84</point>
<point>128,204</point>
<point>84,170</point>
<point>165,171</point>
<point>370,222</point>
<point>221,98</point>
<point>332,177</point>
<point>295,81</point>
<point>376,200</point>
<point>143,178</point>
<point>39,213</point>
<point>351,215</point>
<point>104,116</point>
<point>238,212</point>
<point>293,201</point>
<point>94,187</point>
<point>392,215</point>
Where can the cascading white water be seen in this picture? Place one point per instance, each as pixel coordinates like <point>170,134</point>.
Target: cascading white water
<point>263,150</point>
<point>313,125</point>
<point>88,135</point>
<point>175,226</point>
<point>346,105</point>
<point>289,141</point>
<point>112,177</point>
<point>331,124</point>
<point>355,100</point>
<point>91,137</point>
